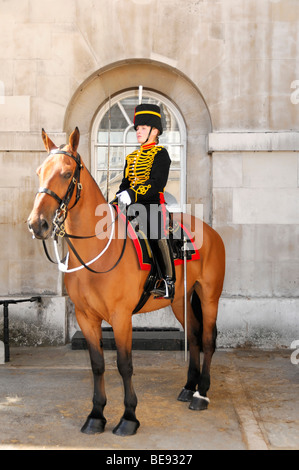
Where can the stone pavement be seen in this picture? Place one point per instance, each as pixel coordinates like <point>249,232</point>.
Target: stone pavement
<point>45,396</point>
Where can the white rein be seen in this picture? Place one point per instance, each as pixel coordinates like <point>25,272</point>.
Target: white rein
<point>63,267</point>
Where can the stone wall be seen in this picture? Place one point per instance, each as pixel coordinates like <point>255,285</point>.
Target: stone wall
<point>231,67</point>
<point>255,208</point>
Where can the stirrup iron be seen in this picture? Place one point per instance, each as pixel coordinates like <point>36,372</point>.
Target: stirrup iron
<point>163,292</point>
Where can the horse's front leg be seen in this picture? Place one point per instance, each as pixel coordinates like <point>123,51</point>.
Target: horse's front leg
<point>122,328</point>
<point>96,421</point>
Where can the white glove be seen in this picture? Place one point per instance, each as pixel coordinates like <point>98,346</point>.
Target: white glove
<point>124,198</point>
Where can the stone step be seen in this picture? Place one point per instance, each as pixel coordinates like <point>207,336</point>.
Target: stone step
<point>143,339</point>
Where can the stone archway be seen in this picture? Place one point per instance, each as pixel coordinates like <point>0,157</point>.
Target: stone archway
<point>175,86</point>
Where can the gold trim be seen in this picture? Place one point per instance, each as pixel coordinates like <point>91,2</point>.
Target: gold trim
<point>148,112</point>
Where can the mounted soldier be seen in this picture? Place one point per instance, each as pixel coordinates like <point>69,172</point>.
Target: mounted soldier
<point>145,177</point>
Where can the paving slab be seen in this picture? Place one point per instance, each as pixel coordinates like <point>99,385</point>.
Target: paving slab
<point>45,397</point>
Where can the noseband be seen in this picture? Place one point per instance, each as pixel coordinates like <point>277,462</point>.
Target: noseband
<point>61,212</point>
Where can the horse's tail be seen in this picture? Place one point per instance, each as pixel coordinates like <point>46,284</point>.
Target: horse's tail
<point>197,310</point>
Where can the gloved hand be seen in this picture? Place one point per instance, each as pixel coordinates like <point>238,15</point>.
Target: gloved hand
<point>124,198</point>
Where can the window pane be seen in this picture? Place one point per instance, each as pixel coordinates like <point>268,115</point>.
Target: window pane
<point>131,137</point>
<point>170,137</point>
<point>173,189</point>
<point>102,137</point>
<point>129,150</point>
<point>116,137</point>
<point>101,179</point>
<point>117,119</point>
<point>114,182</point>
<point>175,156</point>
<point>115,178</point>
<point>116,157</point>
<point>101,158</point>
<point>129,105</point>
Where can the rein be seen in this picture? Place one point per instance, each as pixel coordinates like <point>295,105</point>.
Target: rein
<point>61,215</point>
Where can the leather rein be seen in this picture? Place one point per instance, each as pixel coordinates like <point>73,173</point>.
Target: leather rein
<point>62,212</point>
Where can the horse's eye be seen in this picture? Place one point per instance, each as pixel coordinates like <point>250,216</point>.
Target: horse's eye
<point>67,175</point>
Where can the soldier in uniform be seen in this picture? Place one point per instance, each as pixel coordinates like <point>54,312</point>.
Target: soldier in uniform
<point>145,177</point>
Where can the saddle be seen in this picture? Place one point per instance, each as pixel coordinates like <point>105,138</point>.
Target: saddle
<point>178,235</point>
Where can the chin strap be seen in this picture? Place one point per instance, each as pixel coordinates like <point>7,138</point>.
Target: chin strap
<point>148,135</point>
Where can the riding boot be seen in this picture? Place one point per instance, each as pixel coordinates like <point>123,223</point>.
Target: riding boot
<point>165,287</point>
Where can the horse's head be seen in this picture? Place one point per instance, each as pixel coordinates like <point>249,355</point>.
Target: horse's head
<point>58,177</point>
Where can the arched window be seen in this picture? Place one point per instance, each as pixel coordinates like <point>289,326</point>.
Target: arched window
<point>114,137</point>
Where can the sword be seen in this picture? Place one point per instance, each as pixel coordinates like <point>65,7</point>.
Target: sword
<point>185,296</point>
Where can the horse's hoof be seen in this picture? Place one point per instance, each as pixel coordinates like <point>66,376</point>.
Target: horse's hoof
<point>185,395</point>
<point>198,402</point>
<point>94,426</point>
<point>126,427</point>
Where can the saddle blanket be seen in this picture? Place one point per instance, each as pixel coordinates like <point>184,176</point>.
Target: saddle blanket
<point>142,245</point>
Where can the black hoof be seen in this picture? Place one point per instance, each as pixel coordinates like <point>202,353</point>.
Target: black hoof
<point>94,426</point>
<point>126,427</point>
<point>185,395</point>
<point>198,402</point>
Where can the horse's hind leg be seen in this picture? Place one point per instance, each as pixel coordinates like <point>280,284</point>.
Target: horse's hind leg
<point>193,336</point>
<point>122,327</point>
<point>96,421</point>
<point>201,337</point>
<point>200,400</point>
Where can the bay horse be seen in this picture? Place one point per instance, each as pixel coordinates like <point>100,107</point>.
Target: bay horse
<point>69,193</point>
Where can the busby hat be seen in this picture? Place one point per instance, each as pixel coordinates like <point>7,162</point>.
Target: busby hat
<point>148,115</point>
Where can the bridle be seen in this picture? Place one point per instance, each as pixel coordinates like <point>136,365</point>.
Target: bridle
<point>61,214</point>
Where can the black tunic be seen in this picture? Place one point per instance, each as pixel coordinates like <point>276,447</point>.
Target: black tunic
<point>146,174</point>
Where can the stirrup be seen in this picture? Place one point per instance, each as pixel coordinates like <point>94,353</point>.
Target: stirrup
<point>165,291</point>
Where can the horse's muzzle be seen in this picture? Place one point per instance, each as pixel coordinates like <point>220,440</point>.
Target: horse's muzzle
<point>39,227</point>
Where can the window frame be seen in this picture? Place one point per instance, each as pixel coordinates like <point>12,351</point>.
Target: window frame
<point>117,98</point>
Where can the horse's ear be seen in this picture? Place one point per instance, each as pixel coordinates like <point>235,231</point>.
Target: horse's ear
<point>74,139</point>
<point>48,142</point>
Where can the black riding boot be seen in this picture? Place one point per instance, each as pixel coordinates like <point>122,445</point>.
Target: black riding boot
<point>162,251</point>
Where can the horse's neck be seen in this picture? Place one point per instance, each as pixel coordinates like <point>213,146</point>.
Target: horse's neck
<point>82,219</point>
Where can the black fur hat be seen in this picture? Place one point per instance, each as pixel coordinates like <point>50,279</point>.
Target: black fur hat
<point>148,115</point>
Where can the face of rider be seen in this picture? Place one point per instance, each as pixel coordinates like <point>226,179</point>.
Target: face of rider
<point>142,134</point>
